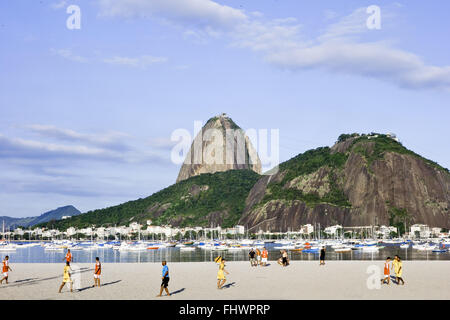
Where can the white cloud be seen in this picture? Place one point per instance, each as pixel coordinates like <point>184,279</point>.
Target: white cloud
<point>142,61</point>
<point>161,143</point>
<point>375,60</point>
<point>114,140</point>
<point>58,5</point>
<point>69,55</point>
<point>198,12</point>
<point>330,14</point>
<point>340,49</point>
<point>353,24</point>
<point>115,147</point>
<point>22,148</point>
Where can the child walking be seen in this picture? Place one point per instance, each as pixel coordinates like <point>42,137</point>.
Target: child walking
<point>387,271</point>
<point>5,269</point>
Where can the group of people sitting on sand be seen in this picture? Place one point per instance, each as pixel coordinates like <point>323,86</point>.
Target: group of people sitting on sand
<point>283,260</point>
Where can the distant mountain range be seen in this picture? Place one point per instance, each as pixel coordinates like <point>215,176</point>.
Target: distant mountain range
<point>56,214</point>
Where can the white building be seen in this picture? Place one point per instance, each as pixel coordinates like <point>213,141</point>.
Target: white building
<point>386,231</point>
<point>393,136</point>
<point>135,227</point>
<point>71,231</point>
<point>234,231</point>
<point>420,229</point>
<point>19,231</point>
<point>100,232</point>
<point>436,232</point>
<point>307,229</point>
<point>86,231</point>
<point>333,229</point>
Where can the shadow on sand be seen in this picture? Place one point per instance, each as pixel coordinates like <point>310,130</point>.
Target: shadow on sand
<point>229,285</point>
<point>101,285</point>
<point>394,280</point>
<point>31,281</point>
<point>178,291</point>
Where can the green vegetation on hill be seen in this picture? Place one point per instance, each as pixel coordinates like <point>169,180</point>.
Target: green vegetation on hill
<point>188,202</point>
<point>382,144</point>
<point>346,136</point>
<point>398,217</point>
<point>307,163</point>
<point>372,147</point>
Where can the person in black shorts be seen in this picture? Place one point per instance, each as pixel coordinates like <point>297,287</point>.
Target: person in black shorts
<point>322,256</point>
<point>251,256</point>
<point>285,261</point>
<point>165,279</point>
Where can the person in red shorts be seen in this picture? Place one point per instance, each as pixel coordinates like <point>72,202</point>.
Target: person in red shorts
<point>97,272</point>
<point>5,270</point>
<point>387,271</point>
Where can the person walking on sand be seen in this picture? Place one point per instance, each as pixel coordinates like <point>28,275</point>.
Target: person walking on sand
<point>68,256</point>
<point>66,277</point>
<point>264,256</point>
<point>97,272</point>
<point>221,274</point>
<point>398,269</point>
<point>6,268</point>
<point>165,279</point>
<point>258,257</point>
<point>387,271</point>
<point>322,256</point>
<point>251,256</point>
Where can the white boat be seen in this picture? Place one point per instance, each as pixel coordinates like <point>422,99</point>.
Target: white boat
<point>343,249</point>
<point>220,248</point>
<point>370,249</point>
<point>286,247</point>
<point>76,248</point>
<point>8,247</point>
<point>188,248</point>
<point>54,248</point>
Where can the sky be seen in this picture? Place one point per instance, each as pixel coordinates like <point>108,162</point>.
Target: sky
<point>87,114</point>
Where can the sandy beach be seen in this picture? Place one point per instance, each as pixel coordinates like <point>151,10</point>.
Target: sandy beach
<point>197,281</point>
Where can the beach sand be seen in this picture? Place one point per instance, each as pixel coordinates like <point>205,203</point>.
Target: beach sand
<point>197,281</point>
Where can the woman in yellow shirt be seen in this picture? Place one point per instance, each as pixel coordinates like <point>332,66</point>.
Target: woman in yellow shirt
<point>398,269</point>
<point>221,274</point>
<point>66,277</point>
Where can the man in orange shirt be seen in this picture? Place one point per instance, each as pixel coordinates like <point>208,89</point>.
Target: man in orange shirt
<point>5,269</point>
<point>264,255</point>
<point>97,272</point>
<point>68,256</point>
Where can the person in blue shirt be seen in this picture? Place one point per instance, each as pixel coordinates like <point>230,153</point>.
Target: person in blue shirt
<point>165,279</point>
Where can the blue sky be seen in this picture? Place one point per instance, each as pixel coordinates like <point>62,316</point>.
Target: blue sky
<point>86,115</point>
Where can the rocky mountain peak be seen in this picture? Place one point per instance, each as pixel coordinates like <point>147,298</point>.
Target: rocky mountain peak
<point>221,145</point>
